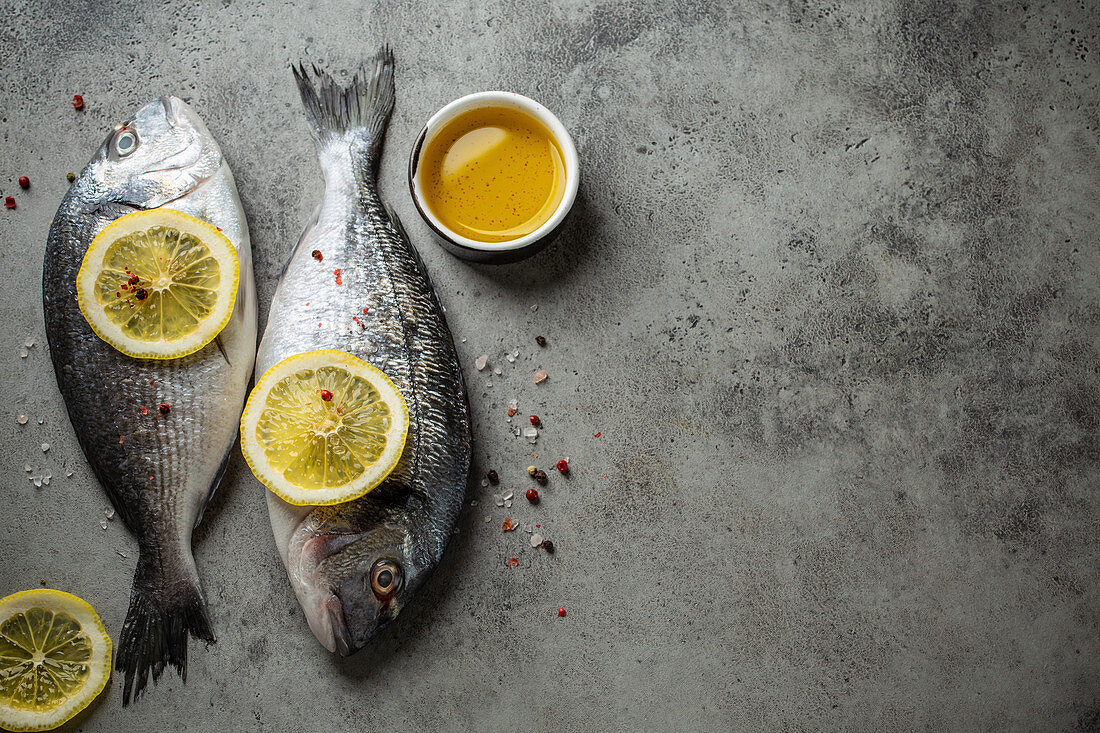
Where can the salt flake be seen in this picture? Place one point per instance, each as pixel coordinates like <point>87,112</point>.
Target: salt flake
<point>536,539</point>
<point>481,362</point>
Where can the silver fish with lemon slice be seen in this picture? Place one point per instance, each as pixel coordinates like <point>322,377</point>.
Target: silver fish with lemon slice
<point>151,318</point>
<point>361,312</point>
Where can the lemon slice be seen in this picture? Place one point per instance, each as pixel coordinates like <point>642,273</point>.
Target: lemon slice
<point>323,427</point>
<point>158,284</point>
<point>55,657</point>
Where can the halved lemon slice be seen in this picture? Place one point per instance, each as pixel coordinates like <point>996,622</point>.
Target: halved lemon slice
<point>323,427</point>
<point>55,657</point>
<point>158,284</point>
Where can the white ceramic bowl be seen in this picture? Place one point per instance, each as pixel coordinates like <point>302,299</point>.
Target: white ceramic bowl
<point>515,249</point>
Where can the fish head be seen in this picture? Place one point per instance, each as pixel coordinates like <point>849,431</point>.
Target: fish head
<point>352,584</point>
<point>159,155</point>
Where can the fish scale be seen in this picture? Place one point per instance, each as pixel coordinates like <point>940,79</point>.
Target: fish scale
<point>159,470</point>
<point>329,552</point>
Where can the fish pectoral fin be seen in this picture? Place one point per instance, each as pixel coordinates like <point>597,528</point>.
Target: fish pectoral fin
<point>221,348</point>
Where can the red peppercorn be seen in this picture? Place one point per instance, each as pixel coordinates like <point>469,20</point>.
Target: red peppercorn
<point>24,182</point>
<point>532,496</point>
<point>317,255</point>
<point>164,408</point>
<point>326,395</point>
<point>9,202</point>
<point>561,612</point>
<point>563,466</point>
<point>494,477</point>
<point>78,101</point>
<point>534,419</point>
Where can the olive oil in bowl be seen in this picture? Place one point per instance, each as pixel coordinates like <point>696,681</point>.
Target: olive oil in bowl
<point>493,174</point>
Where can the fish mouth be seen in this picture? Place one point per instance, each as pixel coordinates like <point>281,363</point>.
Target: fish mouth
<point>341,639</point>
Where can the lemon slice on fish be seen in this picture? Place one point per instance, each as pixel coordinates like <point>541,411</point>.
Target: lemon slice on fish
<point>55,657</point>
<point>158,284</point>
<point>323,427</point>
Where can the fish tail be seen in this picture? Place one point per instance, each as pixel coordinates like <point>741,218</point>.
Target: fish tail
<point>364,105</point>
<point>166,605</point>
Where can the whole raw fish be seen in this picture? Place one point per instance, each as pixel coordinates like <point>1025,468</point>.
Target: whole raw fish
<point>354,566</point>
<point>159,470</point>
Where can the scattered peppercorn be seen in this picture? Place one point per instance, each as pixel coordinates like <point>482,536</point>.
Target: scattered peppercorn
<point>326,395</point>
<point>540,476</point>
<point>508,525</point>
<point>563,466</point>
<point>78,101</point>
<point>9,202</point>
<point>513,562</point>
<point>534,419</point>
<point>70,177</point>
<point>561,612</point>
<point>494,479</point>
<point>141,294</point>
<point>548,546</point>
<point>531,470</point>
<point>540,340</point>
<point>24,182</point>
<point>317,255</point>
<point>164,408</point>
<point>339,277</point>
<point>532,496</point>
<point>134,280</point>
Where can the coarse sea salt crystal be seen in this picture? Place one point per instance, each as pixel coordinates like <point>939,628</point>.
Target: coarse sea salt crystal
<point>497,371</point>
<point>511,359</point>
<point>29,342</point>
<point>46,478</point>
<point>484,482</point>
<point>23,353</point>
<point>534,307</point>
<point>473,503</point>
<point>481,362</point>
<point>109,513</point>
<point>489,384</point>
<point>508,504</point>
<point>22,419</point>
<point>45,447</point>
<point>103,523</point>
<point>499,499</point>
<point>540,376</point>
<point>515,430</point>
<point>536,539</point>
<point>508,496</point>
<point>27,467</point>
<point>37,480</point>
<point>531,433</point>
<point>488,517</point>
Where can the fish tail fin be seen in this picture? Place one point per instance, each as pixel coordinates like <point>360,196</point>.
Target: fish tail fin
<point>166,605</point>
<point>364,104</point>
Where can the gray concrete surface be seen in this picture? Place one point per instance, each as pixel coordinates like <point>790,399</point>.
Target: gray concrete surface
<point>829,297</point>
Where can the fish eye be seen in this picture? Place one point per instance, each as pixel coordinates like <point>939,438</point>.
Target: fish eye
<point>126,142</point>
<point>386,578</point>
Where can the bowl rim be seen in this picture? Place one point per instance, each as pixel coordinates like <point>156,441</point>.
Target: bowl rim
<point>496,99</point>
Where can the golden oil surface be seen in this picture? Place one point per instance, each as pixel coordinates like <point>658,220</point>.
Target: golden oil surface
<point>493,174</point>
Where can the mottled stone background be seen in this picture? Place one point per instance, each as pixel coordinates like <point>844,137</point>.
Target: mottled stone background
<point>829,296</point>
